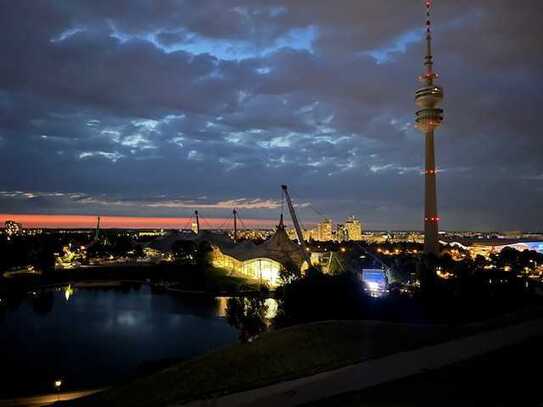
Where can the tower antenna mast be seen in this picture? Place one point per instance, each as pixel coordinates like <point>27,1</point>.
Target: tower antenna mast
<point>235,212</point>
<point>428,61</point>
<point>429,118</point>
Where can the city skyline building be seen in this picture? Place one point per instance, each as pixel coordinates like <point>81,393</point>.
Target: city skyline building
<point>341,233</point>
<point>325,230</point>
<point>428,119</point>
<point>353,228</point>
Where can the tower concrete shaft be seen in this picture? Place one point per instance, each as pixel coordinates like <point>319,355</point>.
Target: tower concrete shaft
<point>431,220</point>
<point>429,118</point>
<point>235,213</point>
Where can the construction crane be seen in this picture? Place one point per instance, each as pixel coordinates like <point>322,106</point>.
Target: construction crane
<point>297,227</point>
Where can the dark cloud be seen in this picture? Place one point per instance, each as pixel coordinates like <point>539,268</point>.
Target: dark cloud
<point>141,101</point>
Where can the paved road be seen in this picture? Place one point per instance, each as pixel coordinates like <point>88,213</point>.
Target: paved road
<point>45,399</point>
<point>377,371</point>
<point>501,378</point>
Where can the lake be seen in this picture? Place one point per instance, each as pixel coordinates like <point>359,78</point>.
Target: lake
<point>93,337</point>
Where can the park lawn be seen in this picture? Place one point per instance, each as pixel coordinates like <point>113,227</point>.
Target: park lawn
<point>275,356</point>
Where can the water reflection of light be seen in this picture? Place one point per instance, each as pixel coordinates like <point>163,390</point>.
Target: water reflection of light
<point>270,304</point>
<point>127,318</point>
<point>271,308</point>
<point>222,304</point>
<point>120,329</point>
<point>68,292</point>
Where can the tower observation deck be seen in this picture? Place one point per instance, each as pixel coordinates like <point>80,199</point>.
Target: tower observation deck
<point>428,119</point>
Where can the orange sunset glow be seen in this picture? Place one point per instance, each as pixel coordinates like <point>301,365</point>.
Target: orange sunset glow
<point>125,222</point>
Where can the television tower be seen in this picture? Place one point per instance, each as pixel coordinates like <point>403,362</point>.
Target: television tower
<point>429,118</point>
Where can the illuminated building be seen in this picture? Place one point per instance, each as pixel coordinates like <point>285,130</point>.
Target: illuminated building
<point>161,249</point>
<point>255,234</point>
<point>342,235</point>
<point>150,233</point>
<point>325,230</point>
<point>12,228</point>
<point>445,275</point>
<point>375,281</point>
<point>72,256</point>
<point>429,118</point>
<point>515,234</point>
<point>353,228</point>
<point>308,234</point>
<point>24,270</point>
<point>314,234</point>
<point>486,247</point>
<point>261,262</point>
<point>291,233</point>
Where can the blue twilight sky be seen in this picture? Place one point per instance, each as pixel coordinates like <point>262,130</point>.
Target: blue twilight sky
<point>157,108</point>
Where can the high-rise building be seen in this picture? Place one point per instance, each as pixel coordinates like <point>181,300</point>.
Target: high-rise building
<point>325,230</point>
<point>196,223</point>
<point>291,233</point>
<point>341,233</point>
<point>308,234</point>
<point>353,228</point>
<point>314,234</point>
<point>429,118</point>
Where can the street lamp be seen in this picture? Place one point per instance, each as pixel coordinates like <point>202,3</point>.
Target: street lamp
<point>58,384</point>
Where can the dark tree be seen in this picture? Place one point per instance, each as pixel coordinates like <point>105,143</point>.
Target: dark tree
<point>203,256</point>
<point>290,272</point>
<point>247,315</point>
<point>185,251</point>
<point>319,296</point>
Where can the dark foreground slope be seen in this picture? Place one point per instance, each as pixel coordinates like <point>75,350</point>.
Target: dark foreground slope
<point>275,356</point>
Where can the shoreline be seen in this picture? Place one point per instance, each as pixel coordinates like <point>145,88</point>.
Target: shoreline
<point>176,278</point>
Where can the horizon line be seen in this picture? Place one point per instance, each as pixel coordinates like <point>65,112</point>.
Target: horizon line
<point>74,221</point>
<point>85,221</point>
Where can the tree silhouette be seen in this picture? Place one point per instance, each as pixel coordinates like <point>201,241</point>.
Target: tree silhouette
<point>247,315</point>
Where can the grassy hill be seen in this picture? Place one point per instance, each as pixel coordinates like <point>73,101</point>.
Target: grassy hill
<point>275,356</point>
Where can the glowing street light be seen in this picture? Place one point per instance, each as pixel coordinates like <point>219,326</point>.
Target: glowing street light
<point>58,385</point>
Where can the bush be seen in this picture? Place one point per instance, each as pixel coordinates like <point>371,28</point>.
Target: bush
<point>319,296</point>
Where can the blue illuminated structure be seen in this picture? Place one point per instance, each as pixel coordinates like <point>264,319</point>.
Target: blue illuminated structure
<point>521,246</point>
<point>537,246</point>
<point>375,281</point>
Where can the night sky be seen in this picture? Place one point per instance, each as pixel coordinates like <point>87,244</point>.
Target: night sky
<point>157,108</point>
